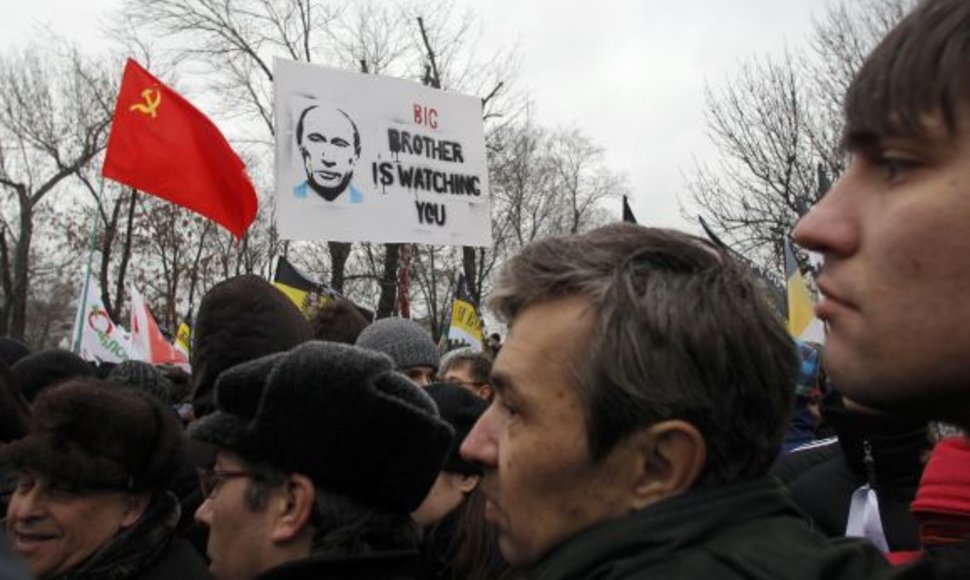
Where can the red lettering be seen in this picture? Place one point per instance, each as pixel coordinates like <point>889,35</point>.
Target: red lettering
<point>426,116</point>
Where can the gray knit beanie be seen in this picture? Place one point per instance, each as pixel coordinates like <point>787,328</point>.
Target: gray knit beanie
<point>403,340</point>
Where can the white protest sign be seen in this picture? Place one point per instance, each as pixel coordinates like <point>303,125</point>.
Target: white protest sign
<point>376,159</point>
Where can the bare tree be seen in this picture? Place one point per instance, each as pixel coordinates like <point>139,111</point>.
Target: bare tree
<point>547,183</point>
<point>234,44</point>
<point>777,126</point>
<point>54,116</point>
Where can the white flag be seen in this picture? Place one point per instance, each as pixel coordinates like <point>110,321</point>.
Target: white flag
<point>96,337</point>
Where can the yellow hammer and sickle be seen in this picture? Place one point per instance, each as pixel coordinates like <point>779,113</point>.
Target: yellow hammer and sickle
<point>150,105</point>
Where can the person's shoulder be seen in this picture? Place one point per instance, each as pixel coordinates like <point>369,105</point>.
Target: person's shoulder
<point>801,459</point>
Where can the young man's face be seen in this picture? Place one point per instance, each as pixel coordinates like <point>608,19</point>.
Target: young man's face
<point>540,483</point>
<point>895,233</point>
<point>461,374</point>
<point>54,529</point>
<point>422,376</point>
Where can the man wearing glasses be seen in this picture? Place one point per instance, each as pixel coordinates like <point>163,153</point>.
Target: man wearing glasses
<point>324,452</point>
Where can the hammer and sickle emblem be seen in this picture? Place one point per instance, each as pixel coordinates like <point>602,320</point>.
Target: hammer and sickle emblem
<point>150,105</point>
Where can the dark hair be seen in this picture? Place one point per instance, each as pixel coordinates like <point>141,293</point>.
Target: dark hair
<point>338,320</point>
<point>681,332</point>
<point>479,364</point>
<point>299,127</point>
<point>463,545</point>
<point>340,524</point>
<point>921,67</point>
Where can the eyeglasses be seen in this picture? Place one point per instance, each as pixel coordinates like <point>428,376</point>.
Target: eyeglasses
<point>211,479</point>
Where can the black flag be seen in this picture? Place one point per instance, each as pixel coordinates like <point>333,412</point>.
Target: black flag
<point>628,216</point>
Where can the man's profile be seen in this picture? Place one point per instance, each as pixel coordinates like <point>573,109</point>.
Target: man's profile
<point>329,144</point>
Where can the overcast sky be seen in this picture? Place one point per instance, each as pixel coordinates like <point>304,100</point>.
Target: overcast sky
<point>628,73</point>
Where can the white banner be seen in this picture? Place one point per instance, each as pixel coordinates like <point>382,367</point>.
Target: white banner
<point>369,158</point>
<point>96,337</point>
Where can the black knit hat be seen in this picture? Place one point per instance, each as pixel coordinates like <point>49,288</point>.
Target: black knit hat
<point>91,435</point>
<point>240,319</point>
<point>341,416</point>
<point>35,372</point>
<point>238,391</point>
<point>136,374</point>
<point>461,409</point>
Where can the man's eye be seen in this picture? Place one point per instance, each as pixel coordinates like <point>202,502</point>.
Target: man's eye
<point>893,167</point>
<point>510,408</point>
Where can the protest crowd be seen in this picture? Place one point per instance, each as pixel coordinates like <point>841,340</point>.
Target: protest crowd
<point>647,415</point>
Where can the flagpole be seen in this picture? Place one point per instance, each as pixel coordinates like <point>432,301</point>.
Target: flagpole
<point>87,272</point>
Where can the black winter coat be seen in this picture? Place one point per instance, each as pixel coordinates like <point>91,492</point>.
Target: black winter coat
<point>149,550</point>
<point>746,531</point>
<point>885,452</point>
<point>397,565</point>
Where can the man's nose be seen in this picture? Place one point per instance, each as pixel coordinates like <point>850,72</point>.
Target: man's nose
<point>830,227</point>
<point>203,515</point>
<point>481,446</point>
<point>25,506</point>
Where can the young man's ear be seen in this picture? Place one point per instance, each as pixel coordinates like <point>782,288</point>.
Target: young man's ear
<point>293,506</point>
<point>672,455</point>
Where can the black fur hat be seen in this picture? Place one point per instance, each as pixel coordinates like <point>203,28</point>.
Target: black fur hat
<point>240,319</point>
<point>237,394</point>
<point>340,415</point>
<point>90,435</point>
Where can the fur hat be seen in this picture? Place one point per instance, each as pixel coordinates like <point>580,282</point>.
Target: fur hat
<point>237,394</point>
<point>35,372</point>
<point>95,436</point>
<point>341,416</point>
<point>461,409</point>
<point>240,319</point>
<point>403,340</point>
<point>136,374</point>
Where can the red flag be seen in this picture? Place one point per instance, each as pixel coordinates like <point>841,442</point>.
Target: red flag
<point>161,144</point>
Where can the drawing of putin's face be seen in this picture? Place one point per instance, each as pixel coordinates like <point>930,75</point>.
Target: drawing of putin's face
<point>330,146</point>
